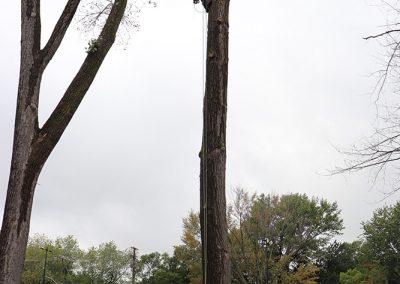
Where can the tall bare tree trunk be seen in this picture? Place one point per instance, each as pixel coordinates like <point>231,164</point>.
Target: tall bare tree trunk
<point>214,229</point>
<point>33,145</point>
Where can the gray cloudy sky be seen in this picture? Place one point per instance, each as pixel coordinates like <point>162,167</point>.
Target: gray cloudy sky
<point>127,167</point>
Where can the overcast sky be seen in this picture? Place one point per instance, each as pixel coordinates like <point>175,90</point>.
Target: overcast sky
<point>127,167</point>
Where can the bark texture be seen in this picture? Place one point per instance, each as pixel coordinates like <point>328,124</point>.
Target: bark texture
<point>214,229</point>
<point>32,145</point>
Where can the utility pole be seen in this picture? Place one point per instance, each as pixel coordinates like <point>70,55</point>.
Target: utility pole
<point>266,265</point>
<point>265,244</point>
<point>64,265</point>
<point>45,264</point>
<point>214,228</point>
<point>134,264</point>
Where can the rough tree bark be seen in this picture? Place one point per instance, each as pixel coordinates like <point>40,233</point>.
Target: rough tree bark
<point>33,145</point>
<point>214,229</point>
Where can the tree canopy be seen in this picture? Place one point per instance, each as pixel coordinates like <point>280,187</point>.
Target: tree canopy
<point>270,236</point>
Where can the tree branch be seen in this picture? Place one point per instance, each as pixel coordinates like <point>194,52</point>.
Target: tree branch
<point>382,34</point>
<point>59,31</point>
<point>55,126</point>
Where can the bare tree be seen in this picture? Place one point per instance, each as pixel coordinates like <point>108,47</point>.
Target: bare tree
<point>381,151</point>
<point>33,144</point>
<point>214,228</point>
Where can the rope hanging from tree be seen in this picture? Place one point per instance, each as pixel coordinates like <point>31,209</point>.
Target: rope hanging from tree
<point>204,142</point>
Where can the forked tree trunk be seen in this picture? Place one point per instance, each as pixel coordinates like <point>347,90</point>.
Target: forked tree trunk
<point>33,145</point>
<point>214,229</point>
<point>15,228</point>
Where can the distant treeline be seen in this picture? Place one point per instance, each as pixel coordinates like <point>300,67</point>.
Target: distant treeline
<point>273,239</point>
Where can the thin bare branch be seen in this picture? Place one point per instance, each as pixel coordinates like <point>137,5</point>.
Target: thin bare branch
<point>382,34</point>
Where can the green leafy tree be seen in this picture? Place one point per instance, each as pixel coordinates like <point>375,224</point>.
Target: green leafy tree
<point>279,235</point>
<point>364,274</point>
<point>304,273</point>
<point>336,258</point>
<point>172,271</point>
<point>34,259</point>
<point>105,264</point>
<point>190,251</point>
<point>352,276</point>
<point>156,268</point>
<point>62,263</point>
<point>149,264</point>
<point>382,242</point>
<point>377,259</point>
